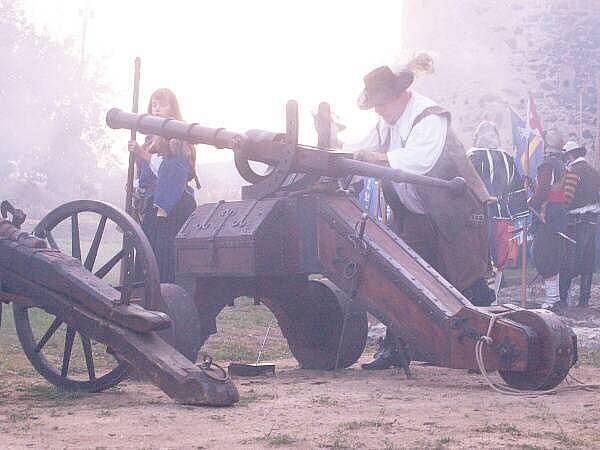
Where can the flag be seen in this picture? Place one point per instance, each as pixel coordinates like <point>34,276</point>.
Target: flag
<point>528,144</point>
<point>368,199</point>
<point>368,196</point>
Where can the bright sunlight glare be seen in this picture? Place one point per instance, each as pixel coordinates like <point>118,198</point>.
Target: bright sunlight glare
<point>233,63</point>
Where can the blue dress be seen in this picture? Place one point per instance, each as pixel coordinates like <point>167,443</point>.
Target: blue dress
<point>170,192</point>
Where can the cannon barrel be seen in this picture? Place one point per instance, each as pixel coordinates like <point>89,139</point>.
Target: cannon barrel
<point>268,147</point>
<point>171,128</point>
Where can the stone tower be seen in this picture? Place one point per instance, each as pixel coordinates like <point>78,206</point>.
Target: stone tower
<point>490,54</point>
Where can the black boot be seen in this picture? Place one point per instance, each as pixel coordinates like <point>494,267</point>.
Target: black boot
<point>563,303</point>
<point>480,294</point>
<point>384,359</point>
<point>564,286</point>
<point>585,290</point>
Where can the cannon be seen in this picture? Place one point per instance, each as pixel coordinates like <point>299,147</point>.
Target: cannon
<point>67,290</point>
<point>299,241</point>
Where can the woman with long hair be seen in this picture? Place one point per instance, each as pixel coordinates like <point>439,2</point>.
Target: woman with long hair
<point>164,197</point>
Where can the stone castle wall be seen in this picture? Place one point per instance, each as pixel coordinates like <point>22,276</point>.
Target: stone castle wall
<point>489,55</point>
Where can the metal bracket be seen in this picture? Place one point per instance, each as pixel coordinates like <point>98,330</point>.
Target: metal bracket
<point>241,220</point>
<point>18,216</point>
<point>208,218</point>
<point>226,213</point>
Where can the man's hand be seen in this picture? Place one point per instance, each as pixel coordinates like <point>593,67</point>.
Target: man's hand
<point>370,157</point>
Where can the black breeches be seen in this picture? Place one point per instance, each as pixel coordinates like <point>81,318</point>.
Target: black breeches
<point>580,258</point>
<point>161,232</point>
<point>548,251</point>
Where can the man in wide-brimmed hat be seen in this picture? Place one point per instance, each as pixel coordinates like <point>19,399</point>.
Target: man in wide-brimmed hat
<point>582,186</point>
<point>447,230</point>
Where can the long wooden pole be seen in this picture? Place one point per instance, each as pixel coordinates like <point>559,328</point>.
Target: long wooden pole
<point>580,124</point>
<point>127,264</point>
<point>524,261</point>
<point>525,223</point>
<point>131,166</point>
<point>378,206</point>
<point>596,157</point>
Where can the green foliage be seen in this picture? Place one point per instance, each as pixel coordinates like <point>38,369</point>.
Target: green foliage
<point>504,428</point>
<point>53,137</point>
<point>278,439</point>
<point>325,400</point>
<point>43,392</point>
<point>589,356</point>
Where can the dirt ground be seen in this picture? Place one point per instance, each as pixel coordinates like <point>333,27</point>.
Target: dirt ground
<point>438,408</point>
<point>354,408</point>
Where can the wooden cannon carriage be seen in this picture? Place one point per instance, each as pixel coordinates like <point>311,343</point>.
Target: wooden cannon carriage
<point>296,220</point>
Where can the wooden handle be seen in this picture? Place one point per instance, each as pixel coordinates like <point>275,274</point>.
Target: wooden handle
<point>130,168</point>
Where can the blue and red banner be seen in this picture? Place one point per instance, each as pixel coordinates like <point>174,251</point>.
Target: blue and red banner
<point>527,140</point>
<point>368,199</point>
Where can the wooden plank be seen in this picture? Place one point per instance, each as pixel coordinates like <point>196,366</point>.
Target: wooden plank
<point>66,275</point>
<point>403,292</point>
<point>7,297</point>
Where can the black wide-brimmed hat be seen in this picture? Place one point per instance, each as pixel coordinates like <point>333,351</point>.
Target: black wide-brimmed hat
<point>383,85</point>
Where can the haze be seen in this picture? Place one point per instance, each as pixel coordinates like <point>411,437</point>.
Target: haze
<point>233,63</point>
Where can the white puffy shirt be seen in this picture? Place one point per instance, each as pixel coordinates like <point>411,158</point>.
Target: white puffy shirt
<point>416,152</point>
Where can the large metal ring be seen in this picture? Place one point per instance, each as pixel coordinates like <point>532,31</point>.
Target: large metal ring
<point>207,366</point>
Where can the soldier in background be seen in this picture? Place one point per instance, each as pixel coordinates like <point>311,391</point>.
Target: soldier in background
<point>496,168</point>
<point>499,173</point>
<point>581,186</point>
<point>549,206</point>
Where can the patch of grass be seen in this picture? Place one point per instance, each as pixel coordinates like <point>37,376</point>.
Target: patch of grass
<point>234,351</point>
<point>357,425</point>
<point>241,330</point>
<point>338,441</point>
<point>252,396</point>
<point>18,417</point>
<point>278,439</point>
<point>529,447</point>
<point>45,392</point>
<point>104,413</point>
<point>389,445</point>
<point>504,428</point>
<point>566,439</point>
<point>589,356</point>
<point>217,417</point>
<point>14,362</point>
<point>324,400</point>
<point>444,440</point>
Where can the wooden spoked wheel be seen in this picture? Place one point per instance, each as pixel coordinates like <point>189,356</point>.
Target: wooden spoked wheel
<point>101,236</point>
<point>55,356</point>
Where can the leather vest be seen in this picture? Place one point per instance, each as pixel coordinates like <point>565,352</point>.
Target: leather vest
<point>450,212</point>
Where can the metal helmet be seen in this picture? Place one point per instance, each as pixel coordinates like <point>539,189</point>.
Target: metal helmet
<point>553,141</point>
<point>486,135</point>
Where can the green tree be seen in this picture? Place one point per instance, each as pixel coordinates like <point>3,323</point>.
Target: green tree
<point>53,141</point>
